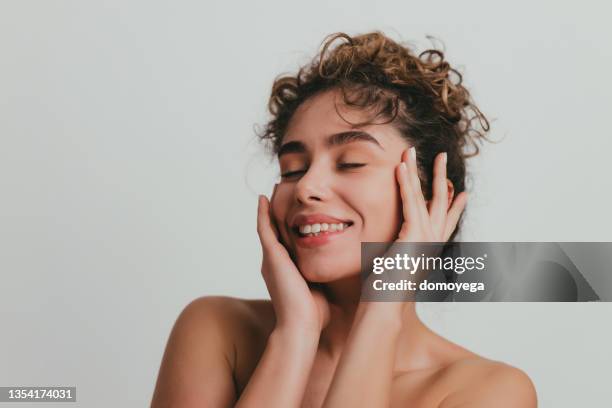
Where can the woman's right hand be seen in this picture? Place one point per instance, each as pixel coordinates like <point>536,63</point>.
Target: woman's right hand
<point>297,306</point>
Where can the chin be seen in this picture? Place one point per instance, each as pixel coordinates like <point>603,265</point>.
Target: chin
<point>326,270</point>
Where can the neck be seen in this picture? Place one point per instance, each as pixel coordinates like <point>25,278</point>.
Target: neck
<point>343,296</point>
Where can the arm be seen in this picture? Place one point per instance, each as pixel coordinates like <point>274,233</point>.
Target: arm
<point>281,375</point>
<point>282,372</point>
<point>364,374</point>
<point>372,343</point>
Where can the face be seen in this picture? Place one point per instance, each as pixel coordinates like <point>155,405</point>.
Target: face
<point>337,189</point>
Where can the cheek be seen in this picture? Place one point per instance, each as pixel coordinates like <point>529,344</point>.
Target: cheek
<point>380,207</point>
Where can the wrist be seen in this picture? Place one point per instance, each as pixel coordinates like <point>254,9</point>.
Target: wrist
<point>296,334</point>
<point>387,315</point>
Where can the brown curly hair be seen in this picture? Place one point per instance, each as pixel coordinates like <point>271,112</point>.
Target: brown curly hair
<point>421,95</point>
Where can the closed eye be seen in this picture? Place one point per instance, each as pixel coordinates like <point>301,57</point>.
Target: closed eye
<point>290,174</point>
<point>351,165</point>
<point>344,166</point>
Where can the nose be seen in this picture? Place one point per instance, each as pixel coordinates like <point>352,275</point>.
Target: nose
<point>313,186</point>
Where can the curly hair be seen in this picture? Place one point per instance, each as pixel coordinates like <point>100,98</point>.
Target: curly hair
<point>421,95</point>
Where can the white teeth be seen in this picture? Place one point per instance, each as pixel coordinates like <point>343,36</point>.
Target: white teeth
<point>316,229</point>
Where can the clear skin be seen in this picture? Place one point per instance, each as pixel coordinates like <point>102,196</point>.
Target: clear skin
<point>325,347</point>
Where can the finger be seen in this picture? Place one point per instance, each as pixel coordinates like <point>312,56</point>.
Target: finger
<point>454,213</point>
<point>264,227</point>
<point>409,209</point>
<point>439,202</point>
<point>275,228</point>
<point>416,185</point>
<point>273,193</point>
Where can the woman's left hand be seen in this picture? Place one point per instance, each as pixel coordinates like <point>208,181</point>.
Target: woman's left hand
<point>434,221</point>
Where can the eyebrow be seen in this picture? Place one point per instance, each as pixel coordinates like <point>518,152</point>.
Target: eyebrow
<point>336,139</point>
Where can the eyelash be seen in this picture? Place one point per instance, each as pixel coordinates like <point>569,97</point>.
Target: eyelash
<point>342,166</point>
<point>351,165</point>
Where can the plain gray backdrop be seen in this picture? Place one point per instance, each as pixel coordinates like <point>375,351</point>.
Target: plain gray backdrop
<point>129,173</point>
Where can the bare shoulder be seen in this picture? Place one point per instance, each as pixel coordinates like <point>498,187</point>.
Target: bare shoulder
<point>243,325</point>
<point>230,313</point>
<point>481,382</point>
<point>210,350</point>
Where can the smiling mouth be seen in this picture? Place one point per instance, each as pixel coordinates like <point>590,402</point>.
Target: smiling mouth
<point>314,230</point>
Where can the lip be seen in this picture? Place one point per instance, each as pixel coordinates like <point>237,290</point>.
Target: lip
<point>302,219</point>
<point>321,239</point>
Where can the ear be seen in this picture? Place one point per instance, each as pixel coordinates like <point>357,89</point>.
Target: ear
<point>451,194</point>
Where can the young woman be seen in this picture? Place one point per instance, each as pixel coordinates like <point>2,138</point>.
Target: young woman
<point>371,143</point>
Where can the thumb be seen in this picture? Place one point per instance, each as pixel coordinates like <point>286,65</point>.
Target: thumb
<point>265,229</point>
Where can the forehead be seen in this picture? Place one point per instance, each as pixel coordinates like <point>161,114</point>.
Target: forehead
<point>319,116</point>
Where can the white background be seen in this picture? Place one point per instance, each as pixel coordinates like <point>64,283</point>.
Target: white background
<point>129,172</point>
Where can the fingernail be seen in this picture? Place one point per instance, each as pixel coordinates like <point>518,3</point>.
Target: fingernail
<point>444,157</point>
<point>403,166</point>
<point>413,153</point>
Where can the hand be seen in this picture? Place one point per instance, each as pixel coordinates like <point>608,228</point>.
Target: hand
<point>422,223</point>
<point>296,305</point>
<point>432,223</point>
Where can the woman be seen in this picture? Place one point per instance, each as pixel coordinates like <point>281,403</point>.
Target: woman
<point>370,140</point>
